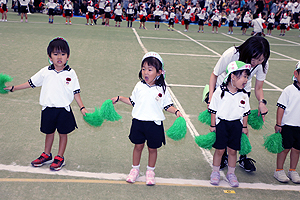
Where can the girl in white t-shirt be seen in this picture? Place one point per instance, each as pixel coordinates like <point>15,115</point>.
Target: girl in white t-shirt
<point>148,99</point>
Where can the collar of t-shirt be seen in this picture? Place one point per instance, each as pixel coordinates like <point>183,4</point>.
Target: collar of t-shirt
<point>67,68</point>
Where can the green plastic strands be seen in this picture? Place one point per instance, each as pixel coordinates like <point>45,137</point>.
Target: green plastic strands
<point>273,143</point>
<point>206,141</point>
<point>3,79</point>
<point>245,145</point>
<point>255,121</point>
<point>108,112</point>
<point>205,117</point>
<point>95,118</point>
<point>178,130</point>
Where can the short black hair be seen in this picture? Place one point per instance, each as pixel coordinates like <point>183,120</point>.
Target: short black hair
<point>58,44</point>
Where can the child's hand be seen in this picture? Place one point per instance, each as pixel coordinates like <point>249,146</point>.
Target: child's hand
<point>212,129</point>
<point>10,88</point>
<point>277,128</point>
<point>179,114</point>
<point>245,130</point>
<point>84,111</point>
<point>115,99</point>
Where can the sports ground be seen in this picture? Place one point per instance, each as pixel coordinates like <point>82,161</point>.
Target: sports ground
<point>107,61</point>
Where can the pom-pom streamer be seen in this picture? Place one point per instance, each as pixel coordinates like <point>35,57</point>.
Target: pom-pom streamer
<point>273,143</point>
<point>3,79</point>
<point>206,141</point>
<point>108,112</point>
<point>95,118</point>
<point>178,130</point>
<point>245,145</point>
<point>205,117</point>
<point>255,121</point>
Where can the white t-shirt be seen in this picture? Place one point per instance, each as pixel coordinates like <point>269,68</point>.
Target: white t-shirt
<point>51,5</point>
<point>231,107</point>
<point>289,101</point>
<point>147,103</point>
<point>118,12</point>
<point>232,55</point>
<point>90,9</point>
<point>24,2</point>
<point>257,25</point>
<point>58,88</point>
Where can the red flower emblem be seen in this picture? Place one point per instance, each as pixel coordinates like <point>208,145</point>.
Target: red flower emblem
<point>242,102</point>
<point>160,95</point>
<point>68,79</point>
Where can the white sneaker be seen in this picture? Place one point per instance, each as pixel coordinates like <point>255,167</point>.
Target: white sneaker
<point>150,180</point>
<point>185,30</point>
<point>294,176</point>
<point>281,176</point>
<point>228,33</point>
<point>133,175</point>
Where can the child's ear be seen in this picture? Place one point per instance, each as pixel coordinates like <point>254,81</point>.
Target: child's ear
<point>296,74</point>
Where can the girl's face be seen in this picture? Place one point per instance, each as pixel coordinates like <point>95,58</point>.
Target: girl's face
<point>257,61</point>
<point>241,81</point>
<point>149,73</point>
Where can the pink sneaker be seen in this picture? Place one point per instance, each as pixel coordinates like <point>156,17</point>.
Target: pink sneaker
<point>133,175</point>
<point>150,181</point>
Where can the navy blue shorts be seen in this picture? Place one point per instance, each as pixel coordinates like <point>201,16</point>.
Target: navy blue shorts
<point>228,134</point>
<point>290,137</point>
<point>57,118</point>
<point>141,131</point>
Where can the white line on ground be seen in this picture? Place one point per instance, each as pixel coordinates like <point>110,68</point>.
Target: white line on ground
<point>122,177</point>
<point>283,39</point>
<point>202,86</point>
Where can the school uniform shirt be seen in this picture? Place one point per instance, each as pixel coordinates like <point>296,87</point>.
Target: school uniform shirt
<point>271,20</point>
<point>186,16</point>
<point>285,21</point>
<point>3,1</point>
<point>51,5</point>
<point>107,9</point>
<point>101,4</point>
<point>202,15</point>
<point>246,19</point>
<point>172,15</point>
<point>130,11</point>
<point>90,9</point>
<point>215,17</point>
<point>68,7</point>
<point>164,15</point>
<point>231,16</point>
<point>58,88</point>
<point>149,101</point>
<point>289,101</point>
<point>158,13</point>
<point>143,12</point>
<point>24,2</point>
<point>118,12</point>
<point>231,107</point>
<point>230,55</point>
<point>257,25</point>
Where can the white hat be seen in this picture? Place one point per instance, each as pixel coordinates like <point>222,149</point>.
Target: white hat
<point>157,56</point>
<point>235,66</point>
<point>297,67</point>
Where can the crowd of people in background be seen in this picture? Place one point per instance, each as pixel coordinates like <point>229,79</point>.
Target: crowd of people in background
<point>283,14</point>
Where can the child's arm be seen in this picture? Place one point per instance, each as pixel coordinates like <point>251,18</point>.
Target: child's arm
<point>121,98</point>
<point>17,87</point>
<point>245,122</point>
<point>212,127</point>
<point>280,112</point>
<point>175,111</point>
<point>80,104</point>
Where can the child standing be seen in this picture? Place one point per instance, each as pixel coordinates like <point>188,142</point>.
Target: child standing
<point>107,10</point>
<point>3,5</point>
<point>24,9</point>
<point>118,15</point>
<point>284,24</point>
<point>229,110</point>
<point>157,15</point>
<point>68,10</point>
<point>148,99</point>
<point>215,19</point>
<point>90,13</point>
<point>171,19</point>
<point>130,13</point>
<point>231,18</point>
<point>186,17</point>
<point>59,87</point>
<point>202,18</point>
<point>271,22</point>
<point>51,5</point>
<point>257,24</point>
<point>246,21</point>
<point>287,123</point>
<point>142,16</point>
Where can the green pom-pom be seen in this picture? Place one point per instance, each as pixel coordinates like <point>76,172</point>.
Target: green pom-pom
<point>108,111</point>
<point>95,118</point>
<point>3,79</point>
<point>273,143</point>
<point>178,130</point>
<point>245,145</point>
<point>205,117</point>
<point>206,141</point>
<point>255,121</point>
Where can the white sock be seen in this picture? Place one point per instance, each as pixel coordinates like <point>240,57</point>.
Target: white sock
<point>231,170</point>
<point>136,167</point>
<point>216,168</point>
<point>150,168</point>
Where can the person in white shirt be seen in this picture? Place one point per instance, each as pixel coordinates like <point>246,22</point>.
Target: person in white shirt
<point>186,17</point>
<point>202,19</point>
<point>257,24</point>
<point>101,4</point>
<point>130,13</point>
<point>231,18</point>
<point>215,20</point>
<point>271,23</point>
<point>142,16</point>
<point>172,19</point>
<point>118,15</point>
<point>3,5</point>
<point>59,87</point>
<point>90,15</point>
<point>284,24</point>
<point>24,9</point>
<point>51,5</point>
<point>246,21</point>
<point>149,98</point>
<point>157,17</point>
<point>288,125</point>
<point>107,10</point>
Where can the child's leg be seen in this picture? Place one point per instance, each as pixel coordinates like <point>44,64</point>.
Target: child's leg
<point>22,14</point>
<point>232,179</point>
<point>231,157</point>
<point>152,157</point>
<point>137,153</point>
<point>25,15</point>
<point>48,143</point>
<point>281,158</point>
<point>294,158</point>
<point>218,156</point>
<point>63,140</point>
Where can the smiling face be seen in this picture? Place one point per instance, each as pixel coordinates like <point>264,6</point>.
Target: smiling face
<point>59,59</point>
<point>149,73</point>
<point>256,61</point>
<point>239,81</point>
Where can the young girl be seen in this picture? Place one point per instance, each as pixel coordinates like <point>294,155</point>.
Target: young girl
<point>68,10</point>
<point>142,16</point>
<point>271,22</point>
<point>157,17</point>
<point>118,15</point>
<point>284,23</point>
<point>24,9</point>
<point>148,99</point>
<point>202,18</point>
<point>215,20</point>
<point>246,21</point>
<point>90,14</point>
<point>107,10</point>
<point>171,19</point>
<point>3,5</point>
<point>130,13</point>
<point>51,5</point>
<point>187,17</point>
<point>229,110</point>
<point>231,18</point>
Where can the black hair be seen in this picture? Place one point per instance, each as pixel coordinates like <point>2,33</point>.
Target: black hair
<point>58,44</point>
<point>152,61</point>
<point>237,74</point>
<point>254,47</point>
